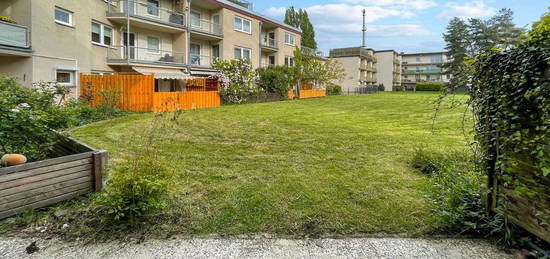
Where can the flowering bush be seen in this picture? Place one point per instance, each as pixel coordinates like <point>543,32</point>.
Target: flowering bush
<point>276,79</point>
<point>238,80</point>
<point>27,117</point>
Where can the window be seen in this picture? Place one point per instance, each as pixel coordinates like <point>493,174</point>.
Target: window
<point>289,61</point>
<point>102,34</point>
<point>418,59</point>
<point>64,77</point>
<point>63,16</point>
<point>195,19</point>
<point>290,39</point>
<point>436,59</point>
<point>271,60</point>
<point>242,53</point>
<point>195,53</point>
<point>153,7</point>
<point>153,45</point>
<point>243,25</point>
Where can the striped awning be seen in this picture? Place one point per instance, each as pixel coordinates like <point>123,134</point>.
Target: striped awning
<point>163,73</point>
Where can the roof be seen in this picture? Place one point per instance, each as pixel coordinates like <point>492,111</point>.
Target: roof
<point>423,53</point>
<point>387,50</point>
<point>243,10</point>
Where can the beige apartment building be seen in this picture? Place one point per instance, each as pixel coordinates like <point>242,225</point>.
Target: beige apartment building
<point>424,67</point>
<point>389,69</point>
<point>55,40</point>
<point>360,66</point>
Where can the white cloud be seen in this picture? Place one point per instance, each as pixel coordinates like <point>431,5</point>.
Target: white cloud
<point>275,12</point>
<point>379,31</point>
<point>414,4</point>
<point>472,9</point>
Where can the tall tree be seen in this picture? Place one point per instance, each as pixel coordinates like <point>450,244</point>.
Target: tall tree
<point>300,19</point>
<point>503,29</point>
<point>457,47</point>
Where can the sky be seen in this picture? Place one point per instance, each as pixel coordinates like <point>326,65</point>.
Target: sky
<point>403,25</point>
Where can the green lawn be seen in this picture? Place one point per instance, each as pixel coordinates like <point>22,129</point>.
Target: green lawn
<point>335,165</point>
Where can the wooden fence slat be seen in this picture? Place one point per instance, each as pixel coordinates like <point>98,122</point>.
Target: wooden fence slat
<point>44,203</point>
<point>46,195</point>
<point>46,169</point>
<point>53,161</point>
<point>29,191</point>
<point>46,182</point>
<point>41,177</point>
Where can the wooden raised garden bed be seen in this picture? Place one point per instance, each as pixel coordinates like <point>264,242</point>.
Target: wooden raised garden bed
<point>76,170</point>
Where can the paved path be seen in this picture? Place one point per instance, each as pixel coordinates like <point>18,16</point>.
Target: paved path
<point>258,248</point>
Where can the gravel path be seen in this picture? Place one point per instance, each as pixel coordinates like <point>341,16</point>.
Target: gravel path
<point>258,248</point>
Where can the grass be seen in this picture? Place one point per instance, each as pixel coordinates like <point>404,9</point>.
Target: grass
<point>335,165</point>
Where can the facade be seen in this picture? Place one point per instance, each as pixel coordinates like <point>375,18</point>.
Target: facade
<point>423,67</point>
<point>56,40</point>
<point>360,66</point>
<point>388,66</point>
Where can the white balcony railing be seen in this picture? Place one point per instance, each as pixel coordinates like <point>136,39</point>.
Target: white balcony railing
<point>145,56</point>
<point>206,26</point>
<point>268,42</point>
<point>13,35</point>
<point>201,60</point>
<point>146,11</point>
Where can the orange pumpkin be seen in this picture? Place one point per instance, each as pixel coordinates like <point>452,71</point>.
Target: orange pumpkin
<point>13,159</point>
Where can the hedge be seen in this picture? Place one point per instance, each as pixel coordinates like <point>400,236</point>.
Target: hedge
<point>429,86</point>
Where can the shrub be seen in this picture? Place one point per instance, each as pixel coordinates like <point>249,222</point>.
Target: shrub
<point>334,89</point>
<point>27,117</point>
<point>276,79</point>
<point>457,191</point>
<point>381,87</point>
<point>238,80</point>
<point>429,86</point>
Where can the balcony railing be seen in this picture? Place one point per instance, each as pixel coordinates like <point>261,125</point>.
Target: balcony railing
<point>311,52</point>
<point>268,42</point>
<point>201,60</point>
<point>145,56</point>
<point>423,71</point>
<point>206,26</point>
<point>13,35</point>
<point>146,11</point>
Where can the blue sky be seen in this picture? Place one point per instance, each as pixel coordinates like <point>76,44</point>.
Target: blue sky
<point>402,25</point>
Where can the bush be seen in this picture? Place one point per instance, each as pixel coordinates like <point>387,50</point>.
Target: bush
<point>457,191</point>
<point>276,79</point>
<point>429,86</point>
<point>27,117</point>
<point>334,89</point>
<point>381,88</point>
<point>238,80</point>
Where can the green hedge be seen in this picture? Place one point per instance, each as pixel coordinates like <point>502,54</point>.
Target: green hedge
<point>429,86</point>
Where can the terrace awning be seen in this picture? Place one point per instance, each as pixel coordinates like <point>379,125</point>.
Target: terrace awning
<point>163,73</point>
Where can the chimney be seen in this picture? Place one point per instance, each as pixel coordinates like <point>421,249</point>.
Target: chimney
<point>364,45</point>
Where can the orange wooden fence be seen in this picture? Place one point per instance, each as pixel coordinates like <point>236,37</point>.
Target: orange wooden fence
<point>304,94</point>
<point>137,93</point>
<point>163,102</point>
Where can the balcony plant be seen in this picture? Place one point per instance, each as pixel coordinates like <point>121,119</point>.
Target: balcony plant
<point>6,19</point>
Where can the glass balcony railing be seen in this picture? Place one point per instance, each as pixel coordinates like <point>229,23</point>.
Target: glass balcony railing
<point>145,56</point>
<point>14,35</point>
<point>146,11</point>
<point>268,42</point>
<point>201,60</point>
<point>423,71</point>
<point>206,26</point>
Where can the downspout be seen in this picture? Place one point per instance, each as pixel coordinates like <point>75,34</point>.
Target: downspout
<point>188,48</point>
<point>260,44</point>
<point>128,33</point>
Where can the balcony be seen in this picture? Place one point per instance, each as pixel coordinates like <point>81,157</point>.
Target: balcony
<point>206,30</point>
<point>310,52</point>
<point>201,61</point>
<point>269,44</point>
<point>146,15</point>
<point>424,71</point>
<point>14,40</point>
<point>122,55</point>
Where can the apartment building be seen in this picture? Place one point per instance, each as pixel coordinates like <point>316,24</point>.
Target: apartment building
<point>388,66</point>
<point>423,67</point>
<point>359,64</point>
<point>55,40</point>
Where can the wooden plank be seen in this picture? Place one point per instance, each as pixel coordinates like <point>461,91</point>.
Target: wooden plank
<point>100,161</point>
<point>43,203</point>
<point>53,161</point>
<point>51,181</point>
<point>43,170</point>
<point>42,177</point>
<point>87,180</point>
<point>36,197</point>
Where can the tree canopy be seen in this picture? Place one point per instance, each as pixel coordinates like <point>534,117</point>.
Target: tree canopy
<point>300,19</point>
